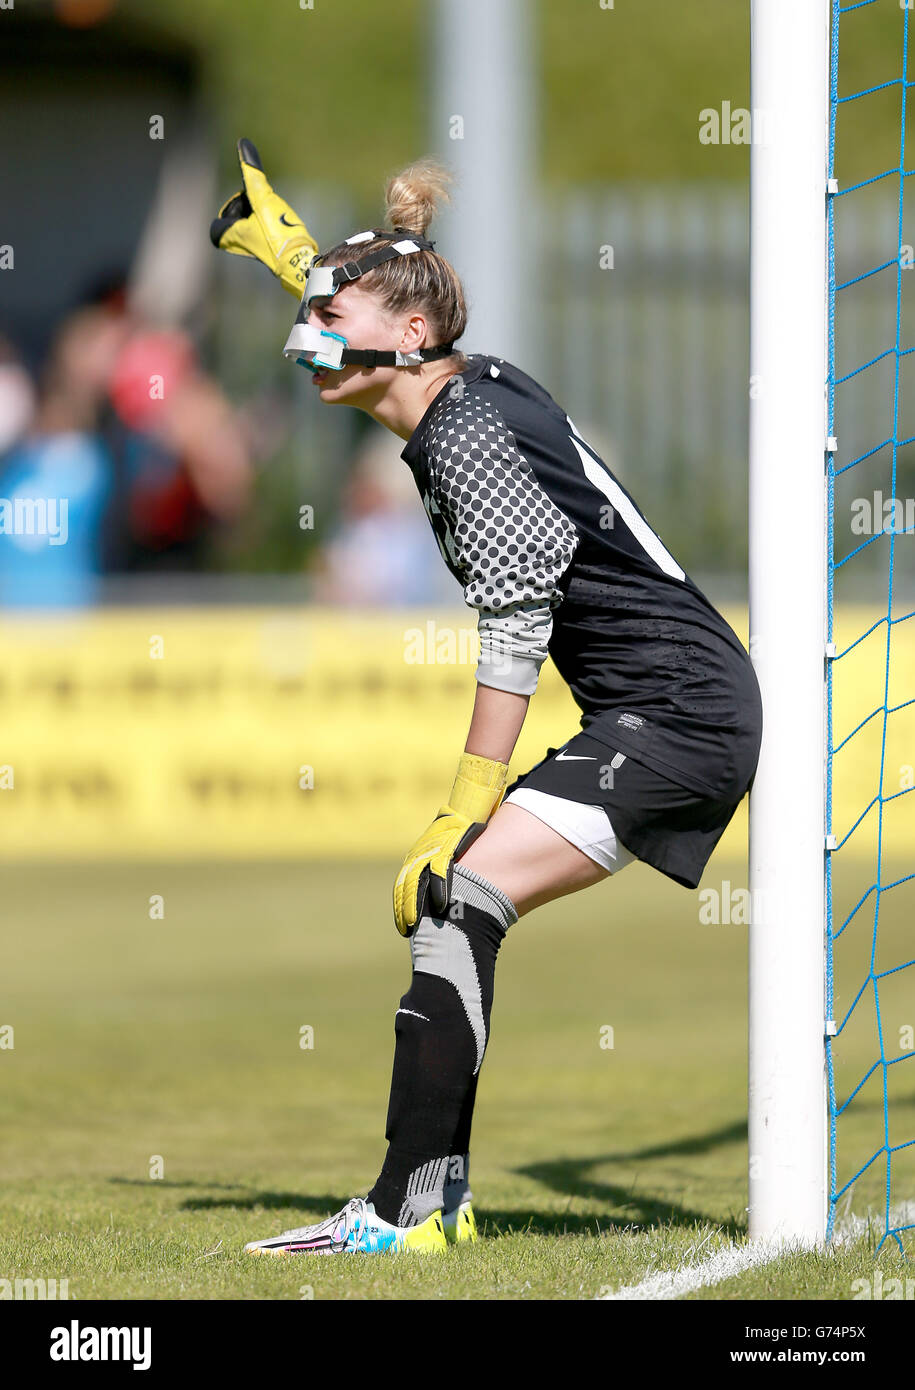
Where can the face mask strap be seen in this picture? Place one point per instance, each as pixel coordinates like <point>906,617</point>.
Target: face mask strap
<point>323,281</point>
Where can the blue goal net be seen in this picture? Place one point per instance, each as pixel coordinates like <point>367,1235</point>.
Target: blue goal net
<point>870,866</point>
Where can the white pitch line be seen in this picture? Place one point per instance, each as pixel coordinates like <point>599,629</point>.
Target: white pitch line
<point>724,1264</point>
<point>735,1259</point>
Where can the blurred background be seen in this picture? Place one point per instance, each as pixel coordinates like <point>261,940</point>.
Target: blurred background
<point>600,221</point>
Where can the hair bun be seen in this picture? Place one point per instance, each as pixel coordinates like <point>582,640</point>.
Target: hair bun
<point>414,196</point>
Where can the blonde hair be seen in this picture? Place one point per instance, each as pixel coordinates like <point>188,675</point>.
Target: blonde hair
<point>413,197</point>
<point>424,279</point>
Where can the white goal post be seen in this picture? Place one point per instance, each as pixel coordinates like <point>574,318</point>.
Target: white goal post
<point>788,567</point>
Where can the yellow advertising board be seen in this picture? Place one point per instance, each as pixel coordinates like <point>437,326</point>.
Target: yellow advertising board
<point>179,732</point>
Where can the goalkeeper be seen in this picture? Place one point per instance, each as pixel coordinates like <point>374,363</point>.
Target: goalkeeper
<point>557,559</point>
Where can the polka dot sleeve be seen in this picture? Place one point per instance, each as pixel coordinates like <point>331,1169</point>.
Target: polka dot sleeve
<point>511,543</point>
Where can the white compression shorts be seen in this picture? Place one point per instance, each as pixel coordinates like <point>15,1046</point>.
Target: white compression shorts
<point>586,827</point>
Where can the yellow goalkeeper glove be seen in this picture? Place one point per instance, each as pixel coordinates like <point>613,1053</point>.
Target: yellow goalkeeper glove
<point>257,222</point>
<point>427,869</point>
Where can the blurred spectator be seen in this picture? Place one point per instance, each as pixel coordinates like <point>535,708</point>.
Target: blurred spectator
<point>383,552</point>
<point>17,397</point>
<point>180,454</point>
<point>55,483</point>
<point>132,454</point>
<point>179,450</point>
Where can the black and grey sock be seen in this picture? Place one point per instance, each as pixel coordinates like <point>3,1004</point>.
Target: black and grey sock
<point>441,1031</point>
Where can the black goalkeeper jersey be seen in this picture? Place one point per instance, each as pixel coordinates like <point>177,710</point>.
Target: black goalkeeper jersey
<point>557,558</point>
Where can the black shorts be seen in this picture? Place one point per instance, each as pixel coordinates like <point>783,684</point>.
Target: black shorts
<point>668,826</point>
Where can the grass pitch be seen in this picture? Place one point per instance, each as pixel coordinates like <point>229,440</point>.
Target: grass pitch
<point>159,1108</point>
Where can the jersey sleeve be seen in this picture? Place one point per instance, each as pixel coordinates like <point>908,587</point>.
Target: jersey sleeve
<point>511,543</point>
